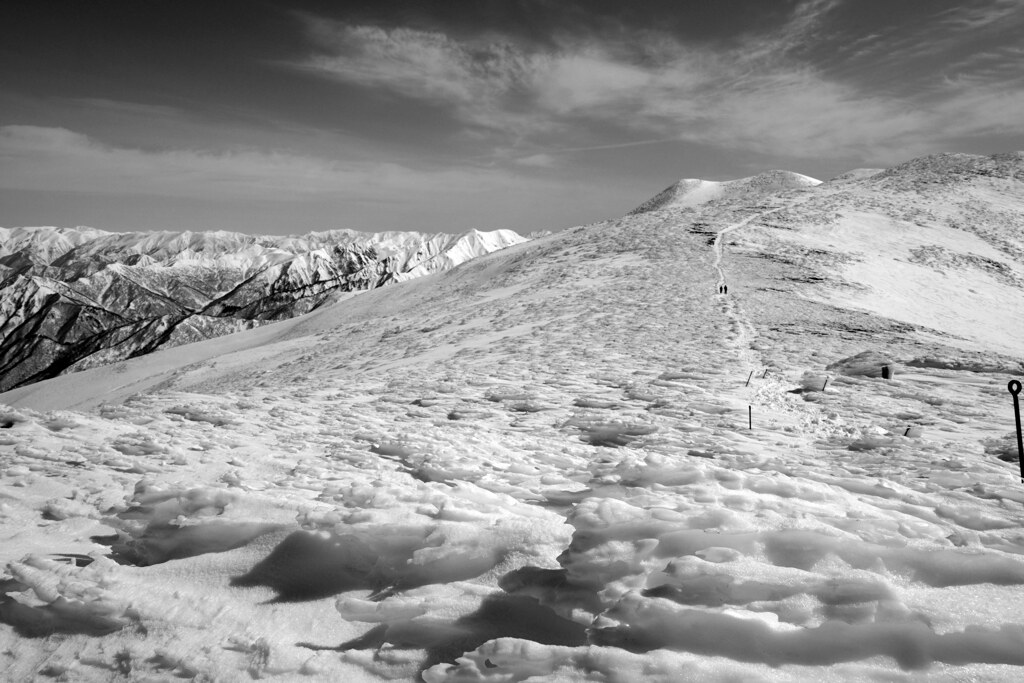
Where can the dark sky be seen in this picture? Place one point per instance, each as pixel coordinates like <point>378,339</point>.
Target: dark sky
<point>285,117</point>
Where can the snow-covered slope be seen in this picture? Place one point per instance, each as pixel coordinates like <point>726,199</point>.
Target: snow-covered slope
<point>77,298</point>
<point>569,460</point>
<point>936,244</point>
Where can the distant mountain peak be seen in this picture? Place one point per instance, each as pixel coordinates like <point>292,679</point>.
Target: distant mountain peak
<point>75,297</point>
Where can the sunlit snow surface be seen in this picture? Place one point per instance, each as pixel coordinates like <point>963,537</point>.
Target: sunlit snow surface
<point>539,466</point>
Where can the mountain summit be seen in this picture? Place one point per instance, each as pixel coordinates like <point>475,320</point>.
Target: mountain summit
<point>691,192</point>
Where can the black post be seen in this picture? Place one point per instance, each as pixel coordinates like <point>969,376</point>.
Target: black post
<point>765,373</point>
<point>885,372</point>
<point>1014,387</point>
<point>825,384</point>
<point>750,417</point>
<point>748,378</point>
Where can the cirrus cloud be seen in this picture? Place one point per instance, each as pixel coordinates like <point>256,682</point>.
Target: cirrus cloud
<point>758,96</point>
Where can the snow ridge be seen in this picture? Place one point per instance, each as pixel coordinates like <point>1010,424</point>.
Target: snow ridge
<point>571,459</point>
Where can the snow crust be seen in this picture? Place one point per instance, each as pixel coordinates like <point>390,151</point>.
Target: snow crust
<point>570,460</point>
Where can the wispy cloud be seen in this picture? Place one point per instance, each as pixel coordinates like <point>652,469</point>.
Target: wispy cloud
<point>57,159</point>
<point>974,38</point>
<point>759,96</point>
<point>972,17</point>
<point>805,27</point>
<point>477,81</point>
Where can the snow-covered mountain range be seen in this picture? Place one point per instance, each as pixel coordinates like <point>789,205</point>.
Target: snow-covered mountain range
<point>573,459</point>
<point>72,298</point>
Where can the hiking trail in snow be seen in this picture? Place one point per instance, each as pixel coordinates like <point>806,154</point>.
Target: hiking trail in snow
<point>741,333</point>
<point>731,228</point>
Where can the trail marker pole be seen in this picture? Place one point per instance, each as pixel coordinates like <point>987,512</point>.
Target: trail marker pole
<point>1014,387</point>
<point>765,373</point>
<point>750,417</point>
<point>825,384</point>
<point>748,378</point>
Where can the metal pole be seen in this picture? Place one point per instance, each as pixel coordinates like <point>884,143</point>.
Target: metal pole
<point>750,417</point>
<point>1014,387</point>
<point>825,384</point>
<point>748,378</point>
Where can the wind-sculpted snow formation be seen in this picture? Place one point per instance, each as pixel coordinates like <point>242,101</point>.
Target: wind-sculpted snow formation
<point>72,298</point>
<point>540,466</point>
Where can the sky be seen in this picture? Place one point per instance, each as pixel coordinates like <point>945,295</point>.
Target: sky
<point>283,117</point>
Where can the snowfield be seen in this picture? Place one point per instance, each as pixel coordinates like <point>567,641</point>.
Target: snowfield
<point>568,460</point>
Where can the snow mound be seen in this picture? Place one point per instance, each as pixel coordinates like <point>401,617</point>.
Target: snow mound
<point>865,364</point>
<point>48,597</point>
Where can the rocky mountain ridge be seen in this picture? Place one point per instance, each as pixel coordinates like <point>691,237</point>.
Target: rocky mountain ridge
<point>72,298</point>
